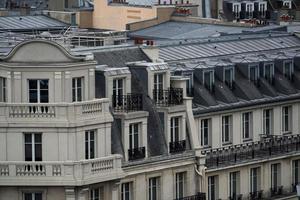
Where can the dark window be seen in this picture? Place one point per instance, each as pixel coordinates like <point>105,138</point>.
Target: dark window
<point>255,179</point>
<point>205,131</point>
<point>154,188</point>
<point>38,91</point>
<point>180,184</point>
<point>247,125</point>
<point>2,89</point>
<point>33,196</point>
<point>90,144</point>
<point>234,184</point>
<point>288,69</point>
<point>212,188</point>
<point>126,191</point>
<point>228,77</point>
<point>134,136</point>
<point>275,175</point>
<point>296,172</point>
<point>286,119</point>
<point>253,73</point>
<point>269,72</point>
<point>208,80</point>
<point>267,121</point>
<point>175,133</point>
<point>77,89</point>
<point>226,128</point>
<point>33,146</point>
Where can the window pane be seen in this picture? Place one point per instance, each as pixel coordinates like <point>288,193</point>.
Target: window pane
<point>38,196</point>
<point>32,84</point>
<point>33,97</point>
<point>44,84</point>
<point>44,98</point>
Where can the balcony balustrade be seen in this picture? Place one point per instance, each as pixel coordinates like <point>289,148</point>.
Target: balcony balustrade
<point>247,152</point>
<point>177,146</point>
<point>198,196</point>
<point>60,173</point>
<point>61,112</point>
<point>170,97</point>
<point>127,103</point>
<point>136,153</point>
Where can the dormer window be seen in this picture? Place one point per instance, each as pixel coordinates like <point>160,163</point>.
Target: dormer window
<point>135,150</point>
<point>228,77</point>
<point>2,89</point>
<point>268,72</point>
<point>158,86</point>
<point>208,80</point>
<point>253,73</point>
<point>288,69</point>
<point>118,92</point>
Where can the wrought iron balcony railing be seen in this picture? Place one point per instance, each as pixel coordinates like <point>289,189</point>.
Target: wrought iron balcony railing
<point>177,146</point>
<point>275,191</point>
<point>247,152</point>
<point>127,103</point>
<point>236,197</point>
<point>136,153</point>
<point>257,195</point>
<point>170,97</point>
<point>198,196</point>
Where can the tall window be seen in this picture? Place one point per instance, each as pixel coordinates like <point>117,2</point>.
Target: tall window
<point>262,9</point>
<point>286,119</point>
<point>247,125</point>
<point>154,188</point>
<point>275,175</point>
<point>158,86</point>
<point>212,187</point>
<point>208,80</point>
<point>267,121</point>
<point>97,194</point>
<point>134,135</point>
<point>234,184</point>
<point>126,191</point>
<point>90,144</point>
<point>205,131</point>
<point>33,195</point>
<point>253,73</point>
<point>296,172</point>
<point>236,10</point>
<point>249,10</point>
<point>269,72</point>
<point>38,91</point>
<point>180,184</point>
<point>255,179</point>
<point>77,89</point>
<point>226,128</point>
<point>175,129</point>
<point>118,92</point>
<point>288,69</point>
<point>3,89</point>
<point>33,146</point>
<point>228,77</point>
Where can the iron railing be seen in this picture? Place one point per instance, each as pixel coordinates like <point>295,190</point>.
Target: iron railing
<point>275,191</point>
<point>177,146</point>
<point>170,97</point>
<point>247,152</point>
<point>127,103</point>
<point>236,197</point>
<point>198,196</point>
<point>136,153</point>
<point>257,195</point>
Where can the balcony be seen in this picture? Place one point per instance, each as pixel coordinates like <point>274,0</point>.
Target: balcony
<point>257,195</point>
<point>276,191</point>
<point>170,97</point>
<point>177,146</point>
<point>60,173</point>
<point>136,154</point>
<point>236,197</point>
<point>127,103</point>
<point>247,152</point>
<point>53,112</point>
<point>198,196</point>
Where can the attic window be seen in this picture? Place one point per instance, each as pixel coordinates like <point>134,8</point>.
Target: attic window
<point>228,77</point>
<point>253,73</point>
<point>268,72</point>
<point>288,69</point>
<point>208,80</point>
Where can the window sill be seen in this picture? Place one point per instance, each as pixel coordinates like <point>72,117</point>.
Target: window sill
<point>247,139</point>
<point>226,143</point>
<point>206,147</point>
<point>287,133</point>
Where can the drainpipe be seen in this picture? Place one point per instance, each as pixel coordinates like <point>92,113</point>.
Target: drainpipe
<point>207,9</point>
<point>201,174</point>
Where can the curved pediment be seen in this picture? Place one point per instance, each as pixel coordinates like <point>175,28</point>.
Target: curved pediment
<point>40,51</point>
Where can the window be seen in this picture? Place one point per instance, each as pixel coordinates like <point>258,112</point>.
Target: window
<point>286,119</point>
<point>296,172</point>
<point>205,131</point>
<point>234,184</point>
<point>267,121</point>
<point>288,69</point>
<point>247,125</point>
<point>226,128</point>
<point>126,191</point>
<point>38,91</point>
<point>236,10</point>
<point>249,10</point>
<point>255,179</point>
<point>33,146</point>
<point>97,194</point>
<point>2,89</point>
<point>158,86</point>
<point>154,188</point>
<point>208,80</point>
<point>262,9</point>
<point>33,196</point>
<point>77,89</point>
<point>253,73</point>
<point>228,77</point>
<point>180,184</point>
<point>269,72</point>
<point>134,136</point>
<point>212,187</point>
<point>175,132</point>
<point>275,175</point>
<point>90,144</point>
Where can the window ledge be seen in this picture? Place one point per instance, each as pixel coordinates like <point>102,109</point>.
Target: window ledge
<point>247,139</point>
<point>226,143</point>
<point>287,133</point>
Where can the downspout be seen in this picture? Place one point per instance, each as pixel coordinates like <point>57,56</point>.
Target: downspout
<point>202,176</point>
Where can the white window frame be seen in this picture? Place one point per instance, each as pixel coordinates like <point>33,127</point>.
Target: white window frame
<point>38,89</point>
<point>180,180</point>
<point>33,143</point>
<point>236,9</point>
<point>158,86</point>
<point>296,171</point>
<point>32,195</point>
<point>289,116</point>
<point>205,126</point>
<point>133,134</point>
<point>129,191</point>
<point>256,175</point>
<point>234,180</point>
<point>213,187</point>
<point>3,89</point>
<point>275,175</point>
<point>151,187</point>
<point>75,89</point>
<point>174,127</point>
<point>230,125</point>
<point>270,121</point>
<point>89,143</point>
<point>247,120</point>
<point>93,193</point>
<point>250,9</point>
<point>262,8</point>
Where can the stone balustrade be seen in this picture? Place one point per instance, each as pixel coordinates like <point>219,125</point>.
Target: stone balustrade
<point>60,173</point>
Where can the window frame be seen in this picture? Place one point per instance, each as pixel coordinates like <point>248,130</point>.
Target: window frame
<point>211,79</point>
<point>33,197</point>
<point>3,89</point>
<point>270,118</point>
<point>90,144</point>
<point>229,124</point>
<point>291,69</point>
<point>180,184</point>
<point>289,116</point>
<point>212,187</point>
<point>38,90</point>
<point>257,170</point>
<point>175,130</point>
<point>33,146</point>
<point>75,89</point>
<point>247,125</point>
<point>204,127</point>
<point>230,83</point>
<point>256,75</point>
<point>129,191</point>
<point>295,172</point>
<point>151,188</point>
<point>234,183</point>
<point>269,77</point>
<point>275,175</point>
<point>132,134</point>
<point>92,193</point>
